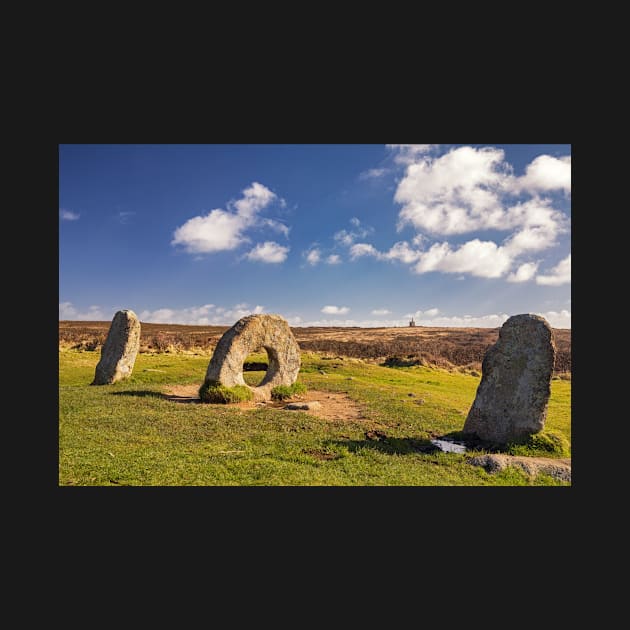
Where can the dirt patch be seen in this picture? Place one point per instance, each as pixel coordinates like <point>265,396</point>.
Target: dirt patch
<point>335,406</point>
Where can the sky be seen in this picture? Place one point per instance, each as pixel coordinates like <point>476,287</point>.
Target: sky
<point>324,235</point>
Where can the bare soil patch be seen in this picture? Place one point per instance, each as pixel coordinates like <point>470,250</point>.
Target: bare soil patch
<point>335,406</point>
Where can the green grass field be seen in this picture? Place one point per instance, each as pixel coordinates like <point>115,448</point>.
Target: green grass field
<point>130,434</point>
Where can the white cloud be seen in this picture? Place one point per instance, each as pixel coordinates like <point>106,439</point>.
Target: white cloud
<point>479,258</point>
<point>403,252</point>
<point>524,273</point>
<point>372,173</point>
<point>472,189</point>
<point>254,199</point>
<point>560,274</point>
<point>68,312</point>
<point>222,230</point>
<point>333,259</point>
<point>335,310</point>
<point>454,193</point>
<point>546,173</point>
<point>468,189</point>
<point>345,237</point>
<point>68,215</point>
<point>558,320</point>
<point>313,256</point>
<point>381,311</point>
<point>363,249</point>
<point>268,252</point>
<point>484,259</point>
<point>205,315</point>
<point>217,231</point>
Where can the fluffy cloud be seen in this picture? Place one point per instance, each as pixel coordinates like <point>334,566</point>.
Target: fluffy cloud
<point>254,199</point>
<point>472,189</point>
<point>560,274</point>
<point>69,312</point>
<point>205,315</point>
<point>484,259</point>
<point>468,189</point>
<point>478,258</point>
<point>313,256</point>
<point>546,173</point>
<point>558,320</point>
<point>403,252</point>
<point>363,249</point>
<point>455,193</point>
<point>333,259</point>
<point>268,252</point>
<point>381,311</point>
<point>524,273</point>
<point>68,215</point>
<point>222,230</point>
<point>335,310</point>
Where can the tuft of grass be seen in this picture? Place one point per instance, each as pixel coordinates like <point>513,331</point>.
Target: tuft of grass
<point>214,392</point>
<point>282,392</point>
<point>546,443</point>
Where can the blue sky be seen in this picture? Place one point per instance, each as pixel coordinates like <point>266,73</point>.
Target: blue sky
<point>339,235</point>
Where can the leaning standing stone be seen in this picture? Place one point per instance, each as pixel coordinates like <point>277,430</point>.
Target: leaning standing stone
<point>119,350</point>
<point>511,401</point>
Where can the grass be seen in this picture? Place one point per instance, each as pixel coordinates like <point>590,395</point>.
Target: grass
<point>283,392</point>
<point>214,392</point>
<point>129,433</point>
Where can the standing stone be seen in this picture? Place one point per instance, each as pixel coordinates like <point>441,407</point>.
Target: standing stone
<point>511,401</point>
<point>270,332</point>
<point>119,350</point>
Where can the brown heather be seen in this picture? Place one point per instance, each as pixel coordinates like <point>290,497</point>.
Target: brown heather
<point>463,348</point>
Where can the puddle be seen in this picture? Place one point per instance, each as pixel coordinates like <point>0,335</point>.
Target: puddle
<point>449,446</point>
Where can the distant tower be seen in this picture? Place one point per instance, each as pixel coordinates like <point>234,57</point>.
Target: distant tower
<point>412,322</point>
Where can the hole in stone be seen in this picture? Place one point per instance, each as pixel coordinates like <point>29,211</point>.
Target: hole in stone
<point>255,367</point>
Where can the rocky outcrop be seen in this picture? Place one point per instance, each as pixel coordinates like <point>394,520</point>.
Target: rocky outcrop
<point>556,468</point>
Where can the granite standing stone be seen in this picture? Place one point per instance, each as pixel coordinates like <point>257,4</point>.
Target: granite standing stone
<point>250,333</point>
<point>511,401</point>
<point>119,350</point>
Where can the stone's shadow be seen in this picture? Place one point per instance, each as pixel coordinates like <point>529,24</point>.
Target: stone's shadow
<point>378,441</point>
<point>390,445</point>
<point>151,394</point>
